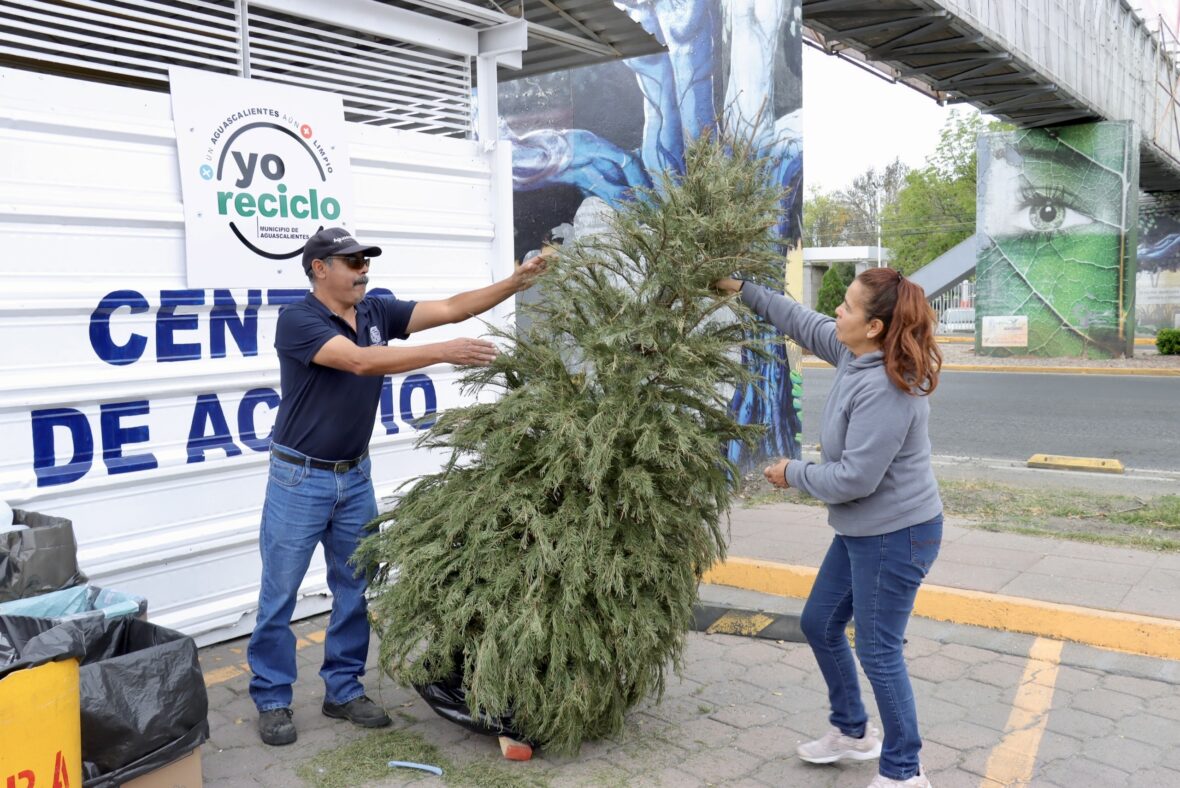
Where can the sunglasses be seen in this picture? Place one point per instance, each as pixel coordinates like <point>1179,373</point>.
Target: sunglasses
<point>355,263</point>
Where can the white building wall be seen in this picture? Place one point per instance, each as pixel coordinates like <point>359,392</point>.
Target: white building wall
<point>91,214</point>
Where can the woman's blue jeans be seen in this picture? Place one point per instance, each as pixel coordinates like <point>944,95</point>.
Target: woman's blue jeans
<point>304,507</point>
<point>872,580</point>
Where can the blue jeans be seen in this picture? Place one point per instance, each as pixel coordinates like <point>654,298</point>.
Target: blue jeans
<point>306,506</point>
<point>872,580</point>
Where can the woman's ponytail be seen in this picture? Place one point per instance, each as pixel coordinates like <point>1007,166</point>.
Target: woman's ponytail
<point>912,357</point>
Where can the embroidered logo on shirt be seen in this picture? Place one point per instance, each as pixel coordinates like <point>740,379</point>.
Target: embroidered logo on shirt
<point>374,335</point>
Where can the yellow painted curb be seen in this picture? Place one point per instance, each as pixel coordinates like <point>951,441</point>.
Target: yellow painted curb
<point>1063,463</point>
<point>815,363</point>
<point>1126,632</point>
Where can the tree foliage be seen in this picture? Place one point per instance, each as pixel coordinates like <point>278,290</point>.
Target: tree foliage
<point>861,201</point>
<point>849,217</point>
<point>831,289</point>
<point>554,560</point>
<point>935,207</point>
<point>825,218</point>
<point>924,212</point>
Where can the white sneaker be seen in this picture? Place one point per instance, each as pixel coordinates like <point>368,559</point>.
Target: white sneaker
<point>917,781</point>
<point>835,746</point>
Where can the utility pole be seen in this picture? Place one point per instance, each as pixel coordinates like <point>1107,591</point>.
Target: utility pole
<point>877,194</point>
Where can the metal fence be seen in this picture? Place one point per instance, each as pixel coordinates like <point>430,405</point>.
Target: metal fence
<point>961,295</point>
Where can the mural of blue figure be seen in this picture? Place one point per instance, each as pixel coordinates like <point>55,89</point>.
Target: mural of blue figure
<point>1157,290</point>
<point>734,58</point>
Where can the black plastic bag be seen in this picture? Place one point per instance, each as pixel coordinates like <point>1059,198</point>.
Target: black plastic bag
<point>449,701</point>
<point>142,691</point>
<point>17,631</point>
<point>38,559</point>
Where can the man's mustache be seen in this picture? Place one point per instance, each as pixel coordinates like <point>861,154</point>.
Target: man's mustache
<point>361,280</point>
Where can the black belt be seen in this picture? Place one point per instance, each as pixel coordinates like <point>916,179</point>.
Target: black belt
<point>339,467</point>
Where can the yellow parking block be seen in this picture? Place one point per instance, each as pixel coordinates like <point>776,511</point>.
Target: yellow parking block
<point>1063,463</point>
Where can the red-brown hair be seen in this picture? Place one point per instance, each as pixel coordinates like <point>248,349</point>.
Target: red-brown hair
<point>912,357</point>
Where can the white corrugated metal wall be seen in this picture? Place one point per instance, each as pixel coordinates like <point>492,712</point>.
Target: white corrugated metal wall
<point>160,459</point>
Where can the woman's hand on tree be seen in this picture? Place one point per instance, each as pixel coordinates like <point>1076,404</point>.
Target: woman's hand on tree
<point>728,285</point>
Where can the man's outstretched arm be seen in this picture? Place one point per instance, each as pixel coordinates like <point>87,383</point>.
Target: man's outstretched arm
<point>459,307</point>
<point>341,353</point>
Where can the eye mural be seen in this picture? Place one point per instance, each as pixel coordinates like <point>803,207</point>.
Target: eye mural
<point>1057,210</point>
<point>584,139</point>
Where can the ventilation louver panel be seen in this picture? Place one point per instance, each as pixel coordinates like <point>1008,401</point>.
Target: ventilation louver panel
<point>383,82</point>
<point>129,42</point>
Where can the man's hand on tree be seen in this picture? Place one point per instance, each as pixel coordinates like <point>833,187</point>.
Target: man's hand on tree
<point>777,474</point>
<point>728,285</point>
<point>469,352</point>
<point>528,271</point>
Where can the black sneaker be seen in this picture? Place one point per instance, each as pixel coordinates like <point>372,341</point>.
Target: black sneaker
<point>276,727</point>
<point>359,711</point>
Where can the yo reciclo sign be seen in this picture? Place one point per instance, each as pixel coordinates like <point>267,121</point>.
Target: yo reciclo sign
<point>262,167</point>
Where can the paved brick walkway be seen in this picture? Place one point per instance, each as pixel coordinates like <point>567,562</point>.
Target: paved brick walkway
<point>996,707</point>
<point>735,717</point>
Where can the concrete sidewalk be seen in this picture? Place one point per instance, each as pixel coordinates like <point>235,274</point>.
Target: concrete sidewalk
<point>997,707</point>
<point>1117,579</point>
<point>1114,597</point>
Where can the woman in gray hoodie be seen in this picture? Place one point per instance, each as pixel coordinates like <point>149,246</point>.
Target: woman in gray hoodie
<point>874,473</point>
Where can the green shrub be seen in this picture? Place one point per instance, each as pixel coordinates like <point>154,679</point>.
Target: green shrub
<point>1168,341</point>
<point>831,289</point>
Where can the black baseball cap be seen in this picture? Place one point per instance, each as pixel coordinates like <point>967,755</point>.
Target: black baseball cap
<point>332,241</point>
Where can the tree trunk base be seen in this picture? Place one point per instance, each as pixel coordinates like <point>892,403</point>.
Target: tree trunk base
<point>515,750</point>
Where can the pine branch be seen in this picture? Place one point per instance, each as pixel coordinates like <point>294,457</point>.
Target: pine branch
<point>555,557</point>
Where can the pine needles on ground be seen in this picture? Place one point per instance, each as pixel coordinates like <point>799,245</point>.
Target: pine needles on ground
<point>555,558</point>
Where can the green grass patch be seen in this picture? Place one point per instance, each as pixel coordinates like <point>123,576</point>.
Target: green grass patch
<point>1152,523</point>
<point>1075,515</point>
<point>775,495</point>
<point>1005,503</point>
<point>367,760</point>
<point>1162,512</point>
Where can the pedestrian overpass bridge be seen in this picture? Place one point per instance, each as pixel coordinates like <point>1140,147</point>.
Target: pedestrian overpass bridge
<point>1029,62</point>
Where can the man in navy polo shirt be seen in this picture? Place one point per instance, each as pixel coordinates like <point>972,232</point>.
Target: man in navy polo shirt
<point>334,352</point>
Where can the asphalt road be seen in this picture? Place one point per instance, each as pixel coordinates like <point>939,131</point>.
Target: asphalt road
<point>1011,415</point>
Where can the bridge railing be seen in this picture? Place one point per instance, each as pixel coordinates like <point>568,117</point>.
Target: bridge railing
<point>1100,51</point>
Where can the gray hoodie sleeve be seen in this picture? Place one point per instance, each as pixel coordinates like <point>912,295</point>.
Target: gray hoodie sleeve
<point>810,329</point>
<point>877,427</point>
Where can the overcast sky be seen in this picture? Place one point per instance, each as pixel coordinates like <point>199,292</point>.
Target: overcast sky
<point>853,120</point>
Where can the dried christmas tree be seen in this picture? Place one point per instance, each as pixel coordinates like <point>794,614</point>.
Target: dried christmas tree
<point>554,561</point>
